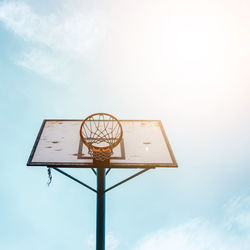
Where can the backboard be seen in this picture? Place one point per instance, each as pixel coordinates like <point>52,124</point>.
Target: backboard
<point>144,145</point>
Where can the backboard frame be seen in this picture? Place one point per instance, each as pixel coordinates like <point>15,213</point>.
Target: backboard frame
<point>90,165</point>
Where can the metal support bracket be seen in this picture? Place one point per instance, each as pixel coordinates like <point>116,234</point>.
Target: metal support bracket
<point>108,189</point>
<point>127,179</point>
<point>108,171</point>
<point>93,171</point>
<point>73,178</point>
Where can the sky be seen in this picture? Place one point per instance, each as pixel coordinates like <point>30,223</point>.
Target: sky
<point>185,63</point>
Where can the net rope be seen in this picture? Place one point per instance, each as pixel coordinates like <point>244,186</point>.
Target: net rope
<point>101,129</point>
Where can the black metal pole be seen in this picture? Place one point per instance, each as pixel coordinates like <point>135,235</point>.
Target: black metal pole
<point>100,219</point>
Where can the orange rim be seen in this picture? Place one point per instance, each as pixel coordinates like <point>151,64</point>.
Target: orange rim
<point>98,148</point>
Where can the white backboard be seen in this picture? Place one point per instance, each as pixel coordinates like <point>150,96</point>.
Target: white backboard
<point>144,145</point>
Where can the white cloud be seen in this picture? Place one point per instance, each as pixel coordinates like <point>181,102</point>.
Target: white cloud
<point>54,40</point>
<point>232,233</point>
<point>190,236</point>
<point>198,234</point>
<point>51,65</point>
<point>72,30</point>
<point>238,214</point>
<point>111,241</point>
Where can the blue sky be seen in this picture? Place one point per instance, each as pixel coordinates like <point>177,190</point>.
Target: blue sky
<point>185,63</point>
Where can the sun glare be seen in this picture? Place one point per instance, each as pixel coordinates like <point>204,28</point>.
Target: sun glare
<point>180,61</point>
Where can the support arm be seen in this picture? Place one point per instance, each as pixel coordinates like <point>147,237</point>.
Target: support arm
<point>129,178</point>
<point>73,178</point>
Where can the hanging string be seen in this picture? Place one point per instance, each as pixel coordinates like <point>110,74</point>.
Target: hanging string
<point>50,176</point>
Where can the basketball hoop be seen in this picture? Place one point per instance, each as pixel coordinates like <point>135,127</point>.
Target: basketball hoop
<point>101,133</point>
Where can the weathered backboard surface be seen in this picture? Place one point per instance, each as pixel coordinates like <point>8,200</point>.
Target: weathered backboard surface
<point>144,145</point>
